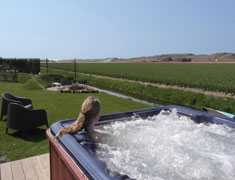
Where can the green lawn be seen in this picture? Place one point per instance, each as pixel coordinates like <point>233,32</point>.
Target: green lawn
<point>58,106</point>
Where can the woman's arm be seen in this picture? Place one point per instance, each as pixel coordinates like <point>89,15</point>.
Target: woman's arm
<point>99,136</point>
<point>102,132</point>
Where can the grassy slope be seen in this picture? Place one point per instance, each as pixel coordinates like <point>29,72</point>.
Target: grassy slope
<point>58,106</point>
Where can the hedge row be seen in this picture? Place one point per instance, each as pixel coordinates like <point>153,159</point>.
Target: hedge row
<point>174,96</point>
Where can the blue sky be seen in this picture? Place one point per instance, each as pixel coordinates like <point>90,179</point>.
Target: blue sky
<point>115,28</point>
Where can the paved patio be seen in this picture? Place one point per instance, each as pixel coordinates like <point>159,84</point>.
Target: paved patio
<point>33,168</point>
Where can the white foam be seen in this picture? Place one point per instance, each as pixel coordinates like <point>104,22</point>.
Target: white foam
<point>170,147</point>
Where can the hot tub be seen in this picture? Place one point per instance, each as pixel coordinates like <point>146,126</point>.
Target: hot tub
<point>73,156</point>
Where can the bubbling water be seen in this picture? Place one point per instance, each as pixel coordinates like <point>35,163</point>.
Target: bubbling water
<point>169,147</point>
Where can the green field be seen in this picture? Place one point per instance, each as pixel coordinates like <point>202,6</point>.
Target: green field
<point>163,96</point>
<point>214,77</point>
<point>58,106</point>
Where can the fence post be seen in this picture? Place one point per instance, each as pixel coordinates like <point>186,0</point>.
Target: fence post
<point>15,69</point>
<point>75,70</point>
<point>47,64</point>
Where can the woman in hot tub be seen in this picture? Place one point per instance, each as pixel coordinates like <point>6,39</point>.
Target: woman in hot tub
<point>88,117</point>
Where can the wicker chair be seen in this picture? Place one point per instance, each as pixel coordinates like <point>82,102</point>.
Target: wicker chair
<point>7,98</point>
<point>22,119</point>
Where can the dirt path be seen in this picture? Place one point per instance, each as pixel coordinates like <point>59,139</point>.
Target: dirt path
<point>221,94</point>
<point>214,93</point>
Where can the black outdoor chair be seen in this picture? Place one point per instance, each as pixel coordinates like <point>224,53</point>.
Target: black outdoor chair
<point>22,119</point>
<point>7,98</point>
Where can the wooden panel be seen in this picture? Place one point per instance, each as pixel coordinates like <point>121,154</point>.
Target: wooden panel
<point>6,173</point>
<point>17,170</point>
<point>45,163</point>
<point>60,163</point>
<point>28,169</point>
<point>59,170</point>
<point>39,169</point>
<point>53,163</point>
<point>34,168</point>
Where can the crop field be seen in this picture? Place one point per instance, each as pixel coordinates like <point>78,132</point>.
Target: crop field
<point>213,77</point>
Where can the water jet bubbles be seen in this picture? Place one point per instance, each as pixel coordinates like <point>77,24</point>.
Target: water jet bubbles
<point>169,146</point>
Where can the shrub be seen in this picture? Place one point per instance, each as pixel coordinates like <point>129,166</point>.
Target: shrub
<point>4,159</point>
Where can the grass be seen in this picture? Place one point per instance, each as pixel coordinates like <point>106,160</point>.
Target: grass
<point>213,77</point>
<point>167,95</point>
<point>58,106</point>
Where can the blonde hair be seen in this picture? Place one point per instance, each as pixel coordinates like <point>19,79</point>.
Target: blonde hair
<point>90,108</point>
